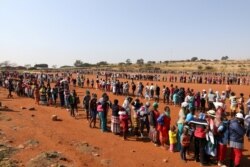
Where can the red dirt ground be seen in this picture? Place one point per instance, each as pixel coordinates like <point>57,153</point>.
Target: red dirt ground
<point>62,136</point>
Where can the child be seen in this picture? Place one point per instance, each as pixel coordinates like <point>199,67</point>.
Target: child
<point>185,141</point>
<point>172,138</point>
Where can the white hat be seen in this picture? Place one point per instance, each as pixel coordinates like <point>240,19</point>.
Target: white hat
<point>204,90</point>
<point>239,115</point>
<point>184,104</point>
<point>211,113</point>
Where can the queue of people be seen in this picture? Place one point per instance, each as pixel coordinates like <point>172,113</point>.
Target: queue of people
<point>203,126</point>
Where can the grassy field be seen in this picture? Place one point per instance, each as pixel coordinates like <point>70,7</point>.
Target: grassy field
<point>239,66</point>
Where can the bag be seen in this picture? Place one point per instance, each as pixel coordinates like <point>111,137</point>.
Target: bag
<point>99,108</point>
<point>160,119</point>
<point>211,147</point>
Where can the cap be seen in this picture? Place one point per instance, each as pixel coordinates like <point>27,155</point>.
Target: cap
<point>239,115</point>
<point>211,113</point>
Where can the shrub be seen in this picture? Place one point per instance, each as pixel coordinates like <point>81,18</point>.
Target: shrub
<point>209,68</point>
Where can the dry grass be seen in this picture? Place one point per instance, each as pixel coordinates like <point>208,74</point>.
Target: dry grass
<point>210,66</point>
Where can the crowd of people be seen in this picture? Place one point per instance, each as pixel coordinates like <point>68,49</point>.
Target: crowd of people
<point>203,125</point>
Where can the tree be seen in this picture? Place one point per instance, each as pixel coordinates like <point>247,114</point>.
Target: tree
<point>194,58</point>
<point>5,64</point>
<point>128,62</point>
<point>121,64</point>
<point>140,61</point>
<point>54,66</point>
<point>102,63</point>
<point>224,58</point>
<point>151,62</point>
<point>78,63</point>
<point>27,66</point>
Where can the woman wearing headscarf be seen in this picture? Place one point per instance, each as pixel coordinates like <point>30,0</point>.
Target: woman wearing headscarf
<point>153,133</point>
<point>163,126</point>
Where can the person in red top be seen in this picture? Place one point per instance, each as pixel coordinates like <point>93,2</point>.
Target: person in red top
<point>201,128</point>
<point>185,142</point>
<point>164,126</point>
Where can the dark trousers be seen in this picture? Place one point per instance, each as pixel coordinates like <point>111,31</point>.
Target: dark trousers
<point>62,100</point>
<point>72,110</point>
<point>183,152</point>
<point>143,124</point>
<point>200,144</point>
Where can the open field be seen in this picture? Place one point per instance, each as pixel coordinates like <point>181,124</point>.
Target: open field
<point>33,132</point>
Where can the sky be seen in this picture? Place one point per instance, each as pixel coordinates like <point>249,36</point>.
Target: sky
<point>58,32</point>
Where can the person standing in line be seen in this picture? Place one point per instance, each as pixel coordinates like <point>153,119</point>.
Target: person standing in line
<point>115,121</point>
<point>86,101</point>
<point>93,110</point>
<point>163,127</point>
<point>236,139</point>
<point>172,138</point>
<point>153,133</point>
<point>185,142</point>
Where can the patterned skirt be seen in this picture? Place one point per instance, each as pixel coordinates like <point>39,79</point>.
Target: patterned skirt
<point>115,124</point>
<point>153,135</point>
<point>135,122</point>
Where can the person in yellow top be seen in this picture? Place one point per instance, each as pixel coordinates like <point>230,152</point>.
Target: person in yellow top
<point>172,138</point>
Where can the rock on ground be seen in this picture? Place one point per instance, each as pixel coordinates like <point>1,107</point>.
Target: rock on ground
<point>106,162</point>
<point>54,118</point>
<point>49,159</point>
<point>5,154</point>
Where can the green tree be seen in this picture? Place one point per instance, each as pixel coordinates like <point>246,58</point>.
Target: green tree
<point>140,61</point>
<point>102,63</point>
<point>128,62</point>
<point>27,66</point>
<point>224,58</point>
<point>78,63</point>
<point>194,58</point>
